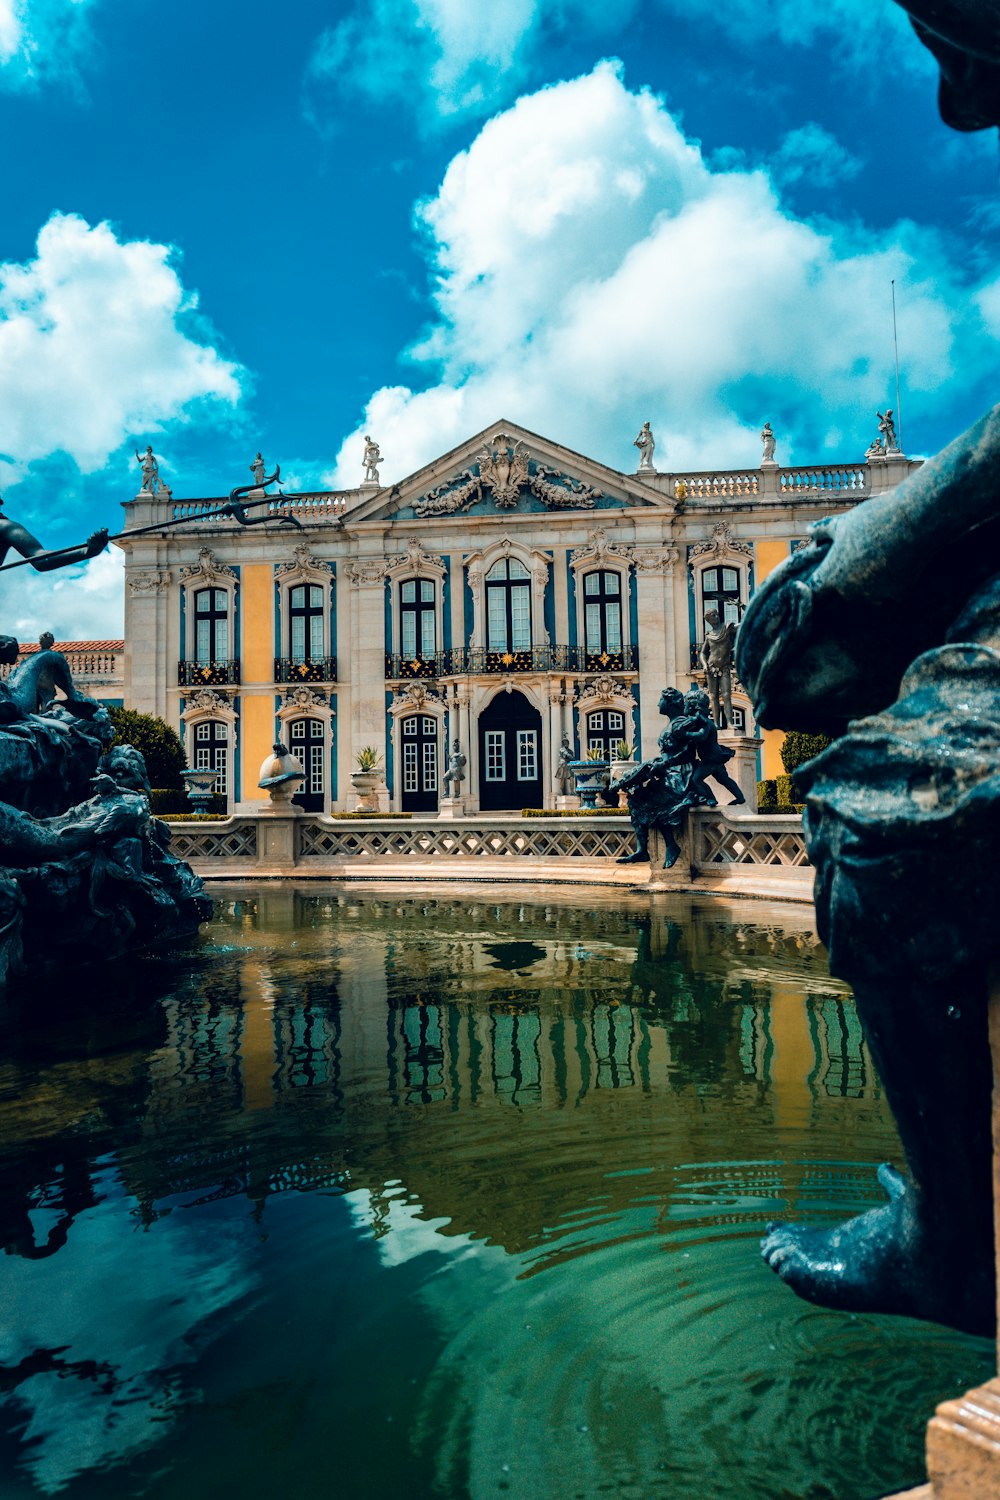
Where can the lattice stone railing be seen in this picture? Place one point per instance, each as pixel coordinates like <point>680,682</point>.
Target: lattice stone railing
<point>560,839</point>
<point>776,842</point>
<point>236,839</point>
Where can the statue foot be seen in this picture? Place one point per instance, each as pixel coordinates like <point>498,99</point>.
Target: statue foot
<point>738,801</point>
<point>886,1261</point>
<point>637,857</point>
<point>671,858</point>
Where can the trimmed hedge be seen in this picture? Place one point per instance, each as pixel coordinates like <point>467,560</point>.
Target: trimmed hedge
<point>776,794</point>
<point>168,802</point>
<point>574,812</point>
<point>799,747</point>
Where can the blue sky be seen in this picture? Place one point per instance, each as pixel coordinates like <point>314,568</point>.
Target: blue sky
<point>228,227</point>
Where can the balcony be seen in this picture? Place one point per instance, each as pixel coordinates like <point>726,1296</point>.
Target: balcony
<point>318,669</point>
<point>208,673</point>
<point>400,667</point>
<point>625,660</point>
<point>474,662</point>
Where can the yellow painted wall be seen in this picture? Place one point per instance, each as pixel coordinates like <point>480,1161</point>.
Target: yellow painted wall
<point>256,666</point>
<point>768,555</point>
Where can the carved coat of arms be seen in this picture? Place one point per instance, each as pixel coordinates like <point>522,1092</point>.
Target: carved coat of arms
<point>503,467</point>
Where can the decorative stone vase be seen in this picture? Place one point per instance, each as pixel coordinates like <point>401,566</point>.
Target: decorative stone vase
<point>367,784</point>
<point>620,768</point>
<point>200,785</point>
<point>591,778</point>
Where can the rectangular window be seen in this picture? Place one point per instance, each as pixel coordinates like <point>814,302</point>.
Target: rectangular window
<point>527,755</point>
<point>496,756</point>
<point>427,632</point>
<point>613,619</point>
<point>430,767</point>
<point>315,770</point>
<point>410,782</point>
<point>316,638</point>
<point>298,638</point>
<point>520,612</point>
<point>203,644</point>
<point>593,619</point>
<point>409,726</point>
<point>408,633</point>
<point>496,624</point>
<point>427,590</point>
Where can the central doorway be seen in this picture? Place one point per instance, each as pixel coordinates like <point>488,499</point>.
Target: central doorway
<point>419,739</point>
<point>510,754</point>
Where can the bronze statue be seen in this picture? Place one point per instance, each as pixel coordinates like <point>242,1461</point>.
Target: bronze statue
<point>17,537</point>
<point>903,814</point>
<point>661,791</point>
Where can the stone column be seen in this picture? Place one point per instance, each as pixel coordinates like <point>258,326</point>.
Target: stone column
<point>367,641</point>
<point>148,668</point>
<point>743,766</point>
<point>658,667</point>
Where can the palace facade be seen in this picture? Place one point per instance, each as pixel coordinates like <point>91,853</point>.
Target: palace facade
<point>509,594</point>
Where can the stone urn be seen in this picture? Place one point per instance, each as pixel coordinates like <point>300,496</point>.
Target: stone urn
<point>281,775</point>
<point>367,780</point>
<point>200,785</point>
<point>591,777</point>
<point>621,766</point>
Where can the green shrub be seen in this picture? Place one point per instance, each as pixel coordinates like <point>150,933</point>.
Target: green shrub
<point>168,802</point>
<point>767,795</point>
<point>800,747</point>
<point>783,790</point>
<point>574,812</point>
<point>159,744</point>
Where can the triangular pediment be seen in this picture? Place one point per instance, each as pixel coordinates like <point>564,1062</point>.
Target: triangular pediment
<point>507,470</point>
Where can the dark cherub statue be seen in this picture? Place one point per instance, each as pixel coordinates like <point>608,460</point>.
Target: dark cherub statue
<point>662,791</point>
<point>903,814</point>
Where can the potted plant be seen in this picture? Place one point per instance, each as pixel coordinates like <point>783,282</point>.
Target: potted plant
<point>591,775</point>
<point>622,762</point>
<point>367,778</point>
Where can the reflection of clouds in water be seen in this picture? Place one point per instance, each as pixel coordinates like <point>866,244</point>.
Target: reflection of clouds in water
<point>400,1232</point>
<point>128,1300</point>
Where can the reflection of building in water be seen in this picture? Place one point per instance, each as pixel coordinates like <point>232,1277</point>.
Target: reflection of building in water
<point>420,1044</point>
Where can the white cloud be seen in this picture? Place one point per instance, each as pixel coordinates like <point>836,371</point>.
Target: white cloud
<point>99,343</point>
<point>84,603</point>
<point>592,271</point>
<point>812,153</point>
<point>471,59</point>
<point>43,41</point>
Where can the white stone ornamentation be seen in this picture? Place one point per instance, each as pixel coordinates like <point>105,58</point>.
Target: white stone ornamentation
<point>600,550</point>
<point>155,581</point>
<point>303,700</point>
<point>414,560</point>
<point>207,704</point>
<point>207,570</point>
<point>303,567</point>
<point>603,689</point>
<point>654,559</point>
<point>372,459</point>
<point>504,469</point>
<point>569,495</point>
<point>453,496</point>
<point>367,570</point>
<point>416,697</point>
<point>722,542</point>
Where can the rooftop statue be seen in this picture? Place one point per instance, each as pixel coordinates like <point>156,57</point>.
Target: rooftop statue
<point>645,444</point>
<point>903,812</point>
<point>887,428</point>
<point>372,459</point>
<point>768,440</point>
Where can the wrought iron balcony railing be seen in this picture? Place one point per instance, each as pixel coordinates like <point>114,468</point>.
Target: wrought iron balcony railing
<point>397,666</point>
<point>317,669</point>
<point>208,673</point>
<point>468,660</point>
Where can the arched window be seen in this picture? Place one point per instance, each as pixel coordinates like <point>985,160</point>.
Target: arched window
<point>508,606</point>
<point>211,751</point>
<point>720,589</point>
<point>417,630</point>
<point>211,626</point>
<point>602,612</point>
<point>305,622</point>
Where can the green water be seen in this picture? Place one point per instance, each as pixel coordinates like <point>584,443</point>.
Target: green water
<point>448,1195</point>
